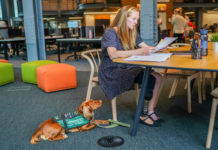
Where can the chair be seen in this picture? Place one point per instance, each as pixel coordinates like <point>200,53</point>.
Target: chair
<point>175,45</point>
<point>189,76</point>
<point>75,50</point>
<point>213,82</point>
<point>214,93</point>
<point>93,57</point>
<point>180,74</point>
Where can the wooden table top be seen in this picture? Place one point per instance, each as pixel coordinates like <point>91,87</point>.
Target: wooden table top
<point>183,62</point>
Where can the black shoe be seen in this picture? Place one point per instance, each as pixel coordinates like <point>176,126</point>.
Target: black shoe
<point>159,120</point>
<point>155,123</point>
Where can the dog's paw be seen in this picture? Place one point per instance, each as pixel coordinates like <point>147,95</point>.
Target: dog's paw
<point>65,136</point>
<point>32,141</point>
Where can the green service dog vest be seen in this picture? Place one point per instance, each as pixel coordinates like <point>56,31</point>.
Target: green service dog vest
<point>71,120</point>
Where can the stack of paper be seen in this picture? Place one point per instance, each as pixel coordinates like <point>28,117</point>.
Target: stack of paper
<point>158,57</point>
<point>164,43</point>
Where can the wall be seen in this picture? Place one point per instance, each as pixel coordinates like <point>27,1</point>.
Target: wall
<point>92,1</point>
<point>167,15</point>
<point>91,16</point>
<point>130,2</point>
<point>52,5</point>
<point>210,18</point>
<point>89,20</point>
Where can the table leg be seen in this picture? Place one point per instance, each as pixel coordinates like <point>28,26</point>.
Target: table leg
<point>59,53</point>
<point>6,50</point>
<point>141,99</point>
<point>216,79</point>
<point>17,48</point>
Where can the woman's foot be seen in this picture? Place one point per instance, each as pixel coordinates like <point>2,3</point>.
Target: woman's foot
<point>154,117</point>
<point>147,120</point>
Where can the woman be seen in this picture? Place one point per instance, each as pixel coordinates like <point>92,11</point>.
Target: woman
<point>122,40</point>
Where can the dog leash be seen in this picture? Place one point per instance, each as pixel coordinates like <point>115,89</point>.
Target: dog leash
<point>113,124</point>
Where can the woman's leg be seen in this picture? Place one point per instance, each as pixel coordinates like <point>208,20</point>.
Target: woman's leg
<point>151,104</point>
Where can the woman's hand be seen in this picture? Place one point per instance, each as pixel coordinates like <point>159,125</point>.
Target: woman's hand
<point>148,50</point>
<point>163,49</point>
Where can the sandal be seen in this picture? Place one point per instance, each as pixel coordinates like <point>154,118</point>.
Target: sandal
<point>154,124</point>
<point>159,120</point>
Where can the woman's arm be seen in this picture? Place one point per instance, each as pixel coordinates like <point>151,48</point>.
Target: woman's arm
<point>142,44</point>
<point>114,53</point>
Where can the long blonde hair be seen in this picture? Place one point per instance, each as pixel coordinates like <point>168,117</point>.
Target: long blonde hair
<point>127,36</point>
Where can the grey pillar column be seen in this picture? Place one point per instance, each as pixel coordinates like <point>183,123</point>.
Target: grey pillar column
<point>148,21</point>
<point>34,30</point>
<point>4,9</point>
<point>8,12</point>
<point>199,18</point>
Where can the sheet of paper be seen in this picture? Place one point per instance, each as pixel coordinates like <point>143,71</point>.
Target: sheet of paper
<point>158,57</point>
<point>164,43</point>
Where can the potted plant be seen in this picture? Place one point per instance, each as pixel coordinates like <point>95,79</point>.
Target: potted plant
<point>214,40</point>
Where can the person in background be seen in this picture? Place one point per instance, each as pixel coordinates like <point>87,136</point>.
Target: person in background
<point>206,27</point>
<point>21,27</point>
<point>159,22</point>
<point>189,29</point>
<point>3,24</point>
<point>179,23</point>
<point>216,29</point>
<point>122,40</point>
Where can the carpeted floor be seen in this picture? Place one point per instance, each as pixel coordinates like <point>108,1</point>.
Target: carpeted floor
<point>24,106</point>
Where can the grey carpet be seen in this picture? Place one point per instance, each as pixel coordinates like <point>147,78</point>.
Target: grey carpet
<point>24,106</point>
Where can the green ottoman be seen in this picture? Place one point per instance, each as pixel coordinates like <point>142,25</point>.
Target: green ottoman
<point>28,69</point>
<point>6,73</point>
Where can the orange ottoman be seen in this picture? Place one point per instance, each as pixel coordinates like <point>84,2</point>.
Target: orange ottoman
<point>3,60</point>
<point>55,77</point>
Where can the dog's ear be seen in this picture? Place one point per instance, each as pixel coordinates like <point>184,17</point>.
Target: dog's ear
<point>95,104</point>
<point>80,110</point>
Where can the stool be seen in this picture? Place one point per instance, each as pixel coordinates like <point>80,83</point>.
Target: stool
<point>28,69</point>
<point>6,73</point>
<point>212,117</point>
<point>3,60</point>
<point>56,77</point>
